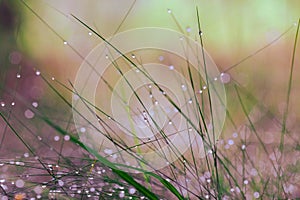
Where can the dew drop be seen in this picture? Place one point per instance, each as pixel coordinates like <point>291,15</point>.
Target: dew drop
<point>90,33</point>
<point>188,29</point>
<point>256,195</point>
<point>56,138</point>
<point>235,135</point>
<point>28,114</point>
<point>35,104</point>
<point>122,194</point>
<point>75,97</point>
<point>37,73</point>
<point>246,182</point>
<point>38,189</point>
<point>243,147</point>
<point>65,42</point>
<point>225,78</point>
<point>66,137</point>
<point>20,183</point>
<point>18,75</point>
<point>13,103</point>
<point>169,11</point>
<point>133,56</point>
<point>60,183</point>
<point>82,129</point>
<point>230,142</point>
<point>108,151</point>
<point>2,104</point>
<point>253,172</point>
<point>161,58</point>
<point>114,156</point>
<point>171,67</point>
<point>132,190</point>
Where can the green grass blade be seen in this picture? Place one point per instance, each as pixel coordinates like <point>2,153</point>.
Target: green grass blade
<point>283,130</point>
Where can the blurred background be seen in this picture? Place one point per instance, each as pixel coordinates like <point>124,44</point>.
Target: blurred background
<point>232,30</point>
<point>46,33</point>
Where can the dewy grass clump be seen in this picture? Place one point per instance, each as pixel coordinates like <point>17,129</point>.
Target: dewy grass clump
<point>148,115</point>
